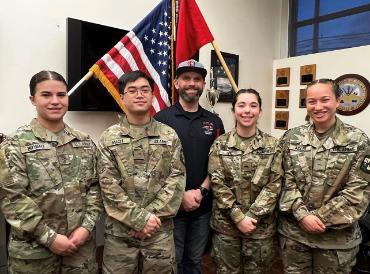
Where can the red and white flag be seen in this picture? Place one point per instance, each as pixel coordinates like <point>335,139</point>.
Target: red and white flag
<point>192,31</point>
<point>147,47</point>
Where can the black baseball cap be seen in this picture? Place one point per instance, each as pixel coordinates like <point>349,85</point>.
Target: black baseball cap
<point>191,65</point>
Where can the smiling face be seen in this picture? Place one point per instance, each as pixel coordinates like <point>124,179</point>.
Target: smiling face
<point>190,86</point>
<point>137,97</point>
<point>322,105</point>
<point>51,101</point>
<point>247,111</point>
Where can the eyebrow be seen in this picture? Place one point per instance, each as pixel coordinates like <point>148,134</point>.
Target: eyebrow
<point>143,86</point>
<point>251,103</point>
<point>48,91</point>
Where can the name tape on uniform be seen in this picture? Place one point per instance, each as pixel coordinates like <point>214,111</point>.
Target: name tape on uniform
<point>159,142</point>
<point>119,141</point>
<point>82,144</point>
<point>35,147</point>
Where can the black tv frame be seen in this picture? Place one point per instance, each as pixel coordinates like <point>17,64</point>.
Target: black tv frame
<point>86,43</point>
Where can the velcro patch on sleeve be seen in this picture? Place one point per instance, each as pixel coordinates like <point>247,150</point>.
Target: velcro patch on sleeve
<point>365,165</point>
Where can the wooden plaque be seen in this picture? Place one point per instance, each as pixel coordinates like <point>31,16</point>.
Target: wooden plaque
<point>302,98</point>
<point>282,77</point>
<point>308,74</point>
<point>282,99</point>
<point>281,119</point>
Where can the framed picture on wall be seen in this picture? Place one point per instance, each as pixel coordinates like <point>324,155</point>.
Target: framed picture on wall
<point>221,81</point>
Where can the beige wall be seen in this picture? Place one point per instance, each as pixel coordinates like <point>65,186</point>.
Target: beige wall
<point>328,65</point>
<point>33,37</point>
<point>251,29</point>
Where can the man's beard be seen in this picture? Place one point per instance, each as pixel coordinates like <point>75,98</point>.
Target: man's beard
<point>190,99</point>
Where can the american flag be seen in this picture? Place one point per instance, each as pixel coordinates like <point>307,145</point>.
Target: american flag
<point>147,48</point>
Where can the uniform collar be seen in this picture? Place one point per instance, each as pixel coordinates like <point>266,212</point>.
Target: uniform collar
<point>152,129</point>
<point>46,135</point>
<point>256,142</point>
<point>337,138</point>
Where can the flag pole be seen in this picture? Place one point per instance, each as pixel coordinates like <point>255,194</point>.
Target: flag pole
<point>81,82</point>
<point>223,63</point>
<point>173,6</point>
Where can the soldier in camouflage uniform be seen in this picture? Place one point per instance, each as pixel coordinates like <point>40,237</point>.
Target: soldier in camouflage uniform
<point>246,185</point>
<point>142,178</point>
<point>48,187</point>
<point>326,166</point>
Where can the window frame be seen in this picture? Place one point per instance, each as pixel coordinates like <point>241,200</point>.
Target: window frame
<point>315,21</point>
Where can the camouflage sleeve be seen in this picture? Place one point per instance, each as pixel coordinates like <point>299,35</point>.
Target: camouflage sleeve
<point>19,209</point>
<point>350,203</point>
<point>291,199</point>
<point>94,206</point>
<point>116,202</point>
<point>225,197</point>
<point>168,199</point>
<point>266,200</point>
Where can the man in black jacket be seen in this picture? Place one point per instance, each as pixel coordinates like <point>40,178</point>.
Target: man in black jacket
<point>197,129</point>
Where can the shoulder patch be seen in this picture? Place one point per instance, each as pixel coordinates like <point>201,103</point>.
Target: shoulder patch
<point>365,165</point>
<point>82,144</point>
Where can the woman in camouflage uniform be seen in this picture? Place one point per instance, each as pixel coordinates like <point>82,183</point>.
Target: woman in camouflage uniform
<point>245,191</point>
<point>49,190</point>
<point>326,173</point>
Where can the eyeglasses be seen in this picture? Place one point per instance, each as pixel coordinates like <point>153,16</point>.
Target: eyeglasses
<point>144,90</point>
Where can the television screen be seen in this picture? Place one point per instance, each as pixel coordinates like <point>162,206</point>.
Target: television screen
<point>87,43</point>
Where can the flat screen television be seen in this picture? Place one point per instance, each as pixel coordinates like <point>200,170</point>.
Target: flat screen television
<point>87,43</point>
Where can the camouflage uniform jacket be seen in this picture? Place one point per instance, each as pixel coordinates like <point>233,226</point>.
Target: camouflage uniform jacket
<point>140,172</point>
<point>48,185</point>
<point>244,183</point>
<point>326,180</point>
